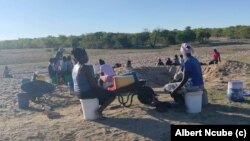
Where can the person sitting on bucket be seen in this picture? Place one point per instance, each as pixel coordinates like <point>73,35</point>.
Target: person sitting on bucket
<point>6,73</point>
<point>192,76</point>
<point>85,84</point>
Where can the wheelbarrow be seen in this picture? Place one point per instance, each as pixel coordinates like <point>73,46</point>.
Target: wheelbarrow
<point>129,91</point>
<point>37,89</point>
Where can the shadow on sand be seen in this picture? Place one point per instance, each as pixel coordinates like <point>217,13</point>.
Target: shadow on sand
<point>157,127</point>
<point>211,114</point>
<point>157,130</point>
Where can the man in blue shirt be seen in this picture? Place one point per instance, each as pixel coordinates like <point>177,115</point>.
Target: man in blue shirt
<point>192,77</point>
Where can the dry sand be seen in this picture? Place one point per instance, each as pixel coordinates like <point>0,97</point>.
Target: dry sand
<point>137,123</point>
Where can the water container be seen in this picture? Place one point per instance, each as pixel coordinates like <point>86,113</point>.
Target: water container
<point>23,100</point>
<point>89,108</point>
<point>235,91</point>
<point>193,101</point>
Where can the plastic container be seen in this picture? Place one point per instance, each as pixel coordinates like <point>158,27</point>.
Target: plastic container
<point>193,101</point>
<point>23,100</point>
<point>89,108</point>
<point>235,91</point>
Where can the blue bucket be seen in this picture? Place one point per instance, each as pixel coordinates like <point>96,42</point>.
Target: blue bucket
<point>23,100</point>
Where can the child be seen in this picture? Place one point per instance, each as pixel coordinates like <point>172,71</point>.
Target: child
<point>6,73</point>
<point>51,70</point>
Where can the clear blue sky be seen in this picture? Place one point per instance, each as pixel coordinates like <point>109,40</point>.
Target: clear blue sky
<point>40,18</point>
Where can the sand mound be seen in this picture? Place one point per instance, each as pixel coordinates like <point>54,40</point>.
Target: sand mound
<point>224,69</point>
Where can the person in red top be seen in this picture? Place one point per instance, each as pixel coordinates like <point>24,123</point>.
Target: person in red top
<point>215,57</point>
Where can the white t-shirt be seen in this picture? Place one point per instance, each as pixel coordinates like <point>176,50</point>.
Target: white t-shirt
<point>107,70</point>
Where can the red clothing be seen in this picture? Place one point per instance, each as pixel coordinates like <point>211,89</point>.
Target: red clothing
<point>215,55</point>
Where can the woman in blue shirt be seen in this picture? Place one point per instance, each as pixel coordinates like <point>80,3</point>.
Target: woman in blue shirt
<point>192,75</point>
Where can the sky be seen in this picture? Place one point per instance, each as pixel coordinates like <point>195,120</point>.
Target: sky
<point>41,18</point>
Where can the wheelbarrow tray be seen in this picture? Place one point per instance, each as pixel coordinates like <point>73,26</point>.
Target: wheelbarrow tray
<point>37,88</point>
<point>132,88</point>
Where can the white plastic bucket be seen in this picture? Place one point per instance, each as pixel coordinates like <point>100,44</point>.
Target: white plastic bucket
<point>193,101</point>
<point>235,91</point>
<point>89,108</point>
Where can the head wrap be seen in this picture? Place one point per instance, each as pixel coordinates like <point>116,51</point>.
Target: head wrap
<point>186,48</point>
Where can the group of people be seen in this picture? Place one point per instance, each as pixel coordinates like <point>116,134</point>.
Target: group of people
<point>180,61</point>
<point>86,86</point>
<point>176,61</point>
<point>60,68</point>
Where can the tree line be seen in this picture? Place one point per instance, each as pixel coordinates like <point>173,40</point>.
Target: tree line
<point>145,39</point>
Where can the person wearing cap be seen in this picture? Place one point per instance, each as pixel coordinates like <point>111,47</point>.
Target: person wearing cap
<point>192,76</point>
<point>215,57</point>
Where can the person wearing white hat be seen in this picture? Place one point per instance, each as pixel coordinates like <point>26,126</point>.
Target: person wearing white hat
<point>192,76</point>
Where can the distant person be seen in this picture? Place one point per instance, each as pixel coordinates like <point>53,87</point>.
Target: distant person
<point>106,73</point>
<point>192,77</point>
<point>117,65</point>
<point>160,63</point>
<point>51,70</point>
<point>176,60</point>
<point>169,62</point>
<point>64,65</point>
<point>70,65</point>
<point>215,57</point>
<point>6,73</point>
<point>85,85</point>
<point>68,73</point>
<point>129,64</point>
<point>181,62</point>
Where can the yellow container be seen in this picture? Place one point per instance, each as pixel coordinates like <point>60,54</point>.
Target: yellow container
<point>122,81</point>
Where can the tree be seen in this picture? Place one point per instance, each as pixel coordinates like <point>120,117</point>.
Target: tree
<point>202,35</point>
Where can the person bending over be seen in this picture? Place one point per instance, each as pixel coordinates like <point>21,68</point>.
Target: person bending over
<point>192,77</point>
